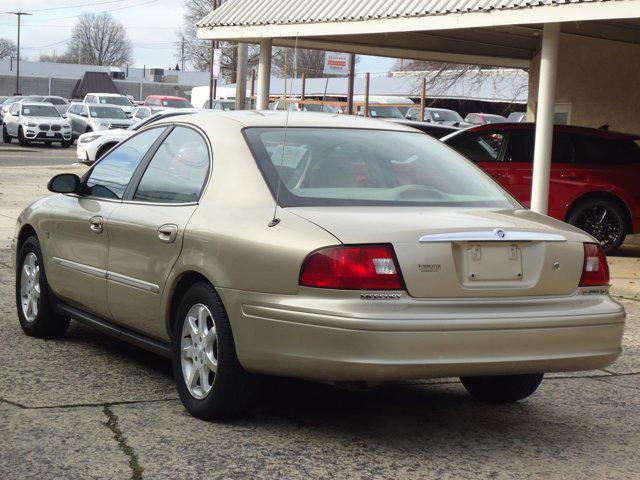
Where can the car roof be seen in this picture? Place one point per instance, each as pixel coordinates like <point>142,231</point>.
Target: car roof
<point>557,128</point>
<point>167,97</point>
<point>107,94</point>
<point>36,104</point>
<point>417,123</point>
<point>276,118</point>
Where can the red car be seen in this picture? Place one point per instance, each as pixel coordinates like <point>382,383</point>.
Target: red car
<point>167,101</point>
<point>595,174</point>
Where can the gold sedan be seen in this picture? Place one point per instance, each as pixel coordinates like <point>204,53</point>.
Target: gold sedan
<point>326,247</point>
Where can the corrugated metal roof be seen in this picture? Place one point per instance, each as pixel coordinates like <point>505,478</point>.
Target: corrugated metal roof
<point>282,12</point>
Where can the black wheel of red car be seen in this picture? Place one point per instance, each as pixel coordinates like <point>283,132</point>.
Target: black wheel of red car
<point>502,388</point>
<point>603,219</point>
<point>6,138</point>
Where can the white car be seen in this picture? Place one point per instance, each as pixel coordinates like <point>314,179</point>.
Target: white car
<point>93,145</point>
<point>121,101</point>
<point>40,122</point>
<point>86,118</point>
<point>142,112</point>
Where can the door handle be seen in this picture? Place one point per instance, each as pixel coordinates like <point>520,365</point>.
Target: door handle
<point>168,233</point>
<point>570,176</point>
<point>497,175</point>
<point>96,224</point>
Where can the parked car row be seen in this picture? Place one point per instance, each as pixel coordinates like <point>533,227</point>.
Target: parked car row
<point>97,112</point>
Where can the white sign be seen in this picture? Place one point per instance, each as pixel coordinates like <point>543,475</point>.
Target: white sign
<point>217,55</point>
<point>336,63</point>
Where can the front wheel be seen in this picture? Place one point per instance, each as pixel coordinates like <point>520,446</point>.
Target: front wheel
<point>210,380</point>
<point>22,140</point>
<point>66,143</point>
<point>33,297</point>
<point>502,388</point>
<point>603,219</point>
<point>6,138</point>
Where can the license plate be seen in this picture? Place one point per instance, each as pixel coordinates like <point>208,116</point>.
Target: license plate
<point>50,134</point>
<point>493,262</point>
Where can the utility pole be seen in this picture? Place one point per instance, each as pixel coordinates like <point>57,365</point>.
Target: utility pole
<point>182,54</point>
<point>19,15</point>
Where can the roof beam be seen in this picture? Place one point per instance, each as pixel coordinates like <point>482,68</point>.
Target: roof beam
<point>413,54</point>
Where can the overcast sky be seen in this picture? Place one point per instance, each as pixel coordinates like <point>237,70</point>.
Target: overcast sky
<point>151,26</point>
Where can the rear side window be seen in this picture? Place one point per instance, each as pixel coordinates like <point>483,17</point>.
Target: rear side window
<point>177,171</point>
<point>520,148</point>
<point>111,175</point>
<point>594,150</point>
<point>484,147</point>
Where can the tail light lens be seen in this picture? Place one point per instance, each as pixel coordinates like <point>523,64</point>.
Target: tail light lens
<point>353,267</point>
<point>595,270</point>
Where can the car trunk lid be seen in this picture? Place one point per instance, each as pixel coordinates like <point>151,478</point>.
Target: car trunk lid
<point>462,252</point>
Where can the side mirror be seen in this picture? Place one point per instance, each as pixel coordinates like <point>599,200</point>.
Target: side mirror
<point>84,114</point>
<point>64,183</point>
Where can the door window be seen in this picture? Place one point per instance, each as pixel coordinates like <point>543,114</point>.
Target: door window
<point>178,170</point>
<point>520,148</point>
<point>111,175</point>
<point>593,150</point>
<point>562,151</point>
<point>484,147</point>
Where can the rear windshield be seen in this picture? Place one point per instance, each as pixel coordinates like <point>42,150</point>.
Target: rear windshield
<point>39,111</point>
<point>330,166</point>
<point>182,103</point>
<point>446,116</point>
<point>107,112</point>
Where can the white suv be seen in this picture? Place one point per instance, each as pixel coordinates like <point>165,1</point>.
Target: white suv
<point>36,121</point>
<point>121,101</point>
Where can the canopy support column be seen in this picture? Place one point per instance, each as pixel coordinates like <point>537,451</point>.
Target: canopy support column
<point>241,76</point>
<point>264,73</point>
<point>544,118</point>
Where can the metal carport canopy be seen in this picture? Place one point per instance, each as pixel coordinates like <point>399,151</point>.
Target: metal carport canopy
<point>507,33</point>
<point>488,32</point>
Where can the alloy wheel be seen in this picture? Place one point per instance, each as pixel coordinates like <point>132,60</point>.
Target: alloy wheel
<point>199,351</point>
<point>30,287</point>
<point>601,222</point>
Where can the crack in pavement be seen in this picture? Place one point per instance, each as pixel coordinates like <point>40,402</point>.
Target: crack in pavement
<point>87,405</point>
<point>112,424</point>
<point>604,380</point>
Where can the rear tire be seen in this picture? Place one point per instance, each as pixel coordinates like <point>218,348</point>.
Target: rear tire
<point>6,138</point>
<point>33,296</point>
<point>219,387</point>
<point>603,219</point>
<point>22,140</point>
<point>502,388</point>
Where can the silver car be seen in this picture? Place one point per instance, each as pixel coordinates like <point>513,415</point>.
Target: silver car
<point>86,118</point>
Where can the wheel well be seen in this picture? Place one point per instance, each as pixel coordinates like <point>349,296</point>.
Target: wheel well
<point>26,232</point>
<point>604,196</point>
<point>184,283</point>
<point>104,148</point>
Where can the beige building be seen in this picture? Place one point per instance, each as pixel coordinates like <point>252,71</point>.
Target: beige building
<point>598,83</point>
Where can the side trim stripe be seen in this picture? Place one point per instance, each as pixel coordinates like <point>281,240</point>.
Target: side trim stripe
<point>111,276</point>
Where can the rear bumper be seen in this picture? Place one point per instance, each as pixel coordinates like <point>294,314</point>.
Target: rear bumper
<point>412,339</point>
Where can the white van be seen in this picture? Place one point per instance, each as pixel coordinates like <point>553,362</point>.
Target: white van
<point>200,95</point>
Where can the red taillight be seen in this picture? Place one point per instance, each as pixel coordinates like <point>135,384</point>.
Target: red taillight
<point>595,270</point>
<point>361,267</point>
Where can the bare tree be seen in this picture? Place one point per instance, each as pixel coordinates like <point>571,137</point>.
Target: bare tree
<point>444,76</point>
<point>99,40</point>
<point>7,48</point>
<point>197,52</point>
<point>309,62</point>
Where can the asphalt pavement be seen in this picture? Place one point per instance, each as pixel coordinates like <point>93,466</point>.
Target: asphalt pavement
<point>90,407</point>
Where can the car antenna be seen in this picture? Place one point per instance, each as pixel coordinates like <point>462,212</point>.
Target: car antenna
<point>275,220</point>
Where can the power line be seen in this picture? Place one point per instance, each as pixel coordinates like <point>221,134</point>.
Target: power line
<point>72,6</point>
